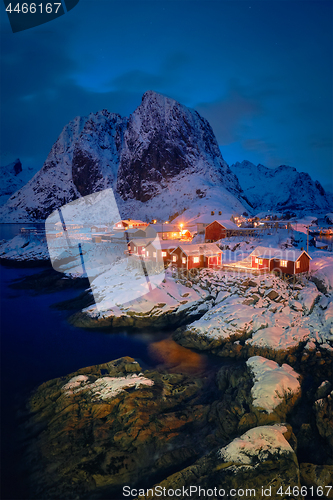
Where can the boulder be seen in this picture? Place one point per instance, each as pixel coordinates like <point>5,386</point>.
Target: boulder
<point>261,460</point>
<point>317,475</point>
<point>110,424</point>
<point>324,417</point>
<point>272,295</point>
<point>323,390</point>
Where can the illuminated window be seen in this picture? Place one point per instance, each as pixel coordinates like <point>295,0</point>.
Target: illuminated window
<point>174,258</point>
<point>261,262</point>
<point>154,254</point>
<point>147,254</point>
<point>184,260</point>
<point>256,260</point>
<point>134,248</point>
<point>298,264</point>
<point>195,260</point>
<point>163,254</point>
<point>283,263</point>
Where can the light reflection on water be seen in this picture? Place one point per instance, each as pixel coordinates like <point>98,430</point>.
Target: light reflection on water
<point>175,358</point>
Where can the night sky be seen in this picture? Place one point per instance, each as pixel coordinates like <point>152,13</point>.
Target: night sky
<point>260,72</point>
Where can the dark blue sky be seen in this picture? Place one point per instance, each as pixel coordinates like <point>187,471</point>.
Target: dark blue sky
<point>260,72</point>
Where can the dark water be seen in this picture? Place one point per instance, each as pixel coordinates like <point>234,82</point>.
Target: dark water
<point>38,344</point>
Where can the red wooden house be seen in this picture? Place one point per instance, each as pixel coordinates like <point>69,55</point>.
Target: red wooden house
<point>129,224</point>
<point>160,249</point>
<point>191,256</point>
<point>288,261</point>
<point>138,246</point>
<point>168,232</point>
<point>219,229</point>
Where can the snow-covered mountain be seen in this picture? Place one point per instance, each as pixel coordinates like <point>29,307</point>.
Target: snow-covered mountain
<point>13,177</point>
<point>281,189</point>
<point>161,160</point>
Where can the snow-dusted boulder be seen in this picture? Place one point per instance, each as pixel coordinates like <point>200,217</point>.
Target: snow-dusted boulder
<point>229,321</point>
<point>259,464</point>
<point>257,445</point>
<point>276,388</point>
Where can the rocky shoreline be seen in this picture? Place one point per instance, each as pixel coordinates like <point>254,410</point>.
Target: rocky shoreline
<point>90,433</point>
<point>109,425</point>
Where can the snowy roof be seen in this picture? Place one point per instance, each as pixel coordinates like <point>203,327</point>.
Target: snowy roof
<point>201,249</point>
<point>141,242</point>
<point>128,221</point>
<point>277,253</point>
<point>159,228</point>
<point>226,223</point>
<point>134,230</point>
<point>164,244</point>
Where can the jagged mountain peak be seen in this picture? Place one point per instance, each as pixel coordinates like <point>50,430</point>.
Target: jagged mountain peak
<point>281,189</point>
<point>164,140</point>
<point>164,153</point>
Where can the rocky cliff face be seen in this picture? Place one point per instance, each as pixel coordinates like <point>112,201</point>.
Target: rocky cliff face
<point>165,141</point>
<point>163,153</point>
<point>83,160</point>
<point>96,154</point>
<point>281,189</point>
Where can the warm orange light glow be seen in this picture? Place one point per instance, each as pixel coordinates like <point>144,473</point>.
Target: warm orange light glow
<point>177,359</point>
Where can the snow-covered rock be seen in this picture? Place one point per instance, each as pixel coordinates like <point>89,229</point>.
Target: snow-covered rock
<point>322,271</point>
<point>105,388</point>
<point>257,445</point>
<point>263,326</point>
<point>229,321</point>
<point>308,297</point>
<point>125,298</point>
<point>272,383</point>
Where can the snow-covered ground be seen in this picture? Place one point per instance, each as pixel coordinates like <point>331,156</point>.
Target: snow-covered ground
<point>125,290</point>
<point>23,248</point>
<point>266,310</point>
